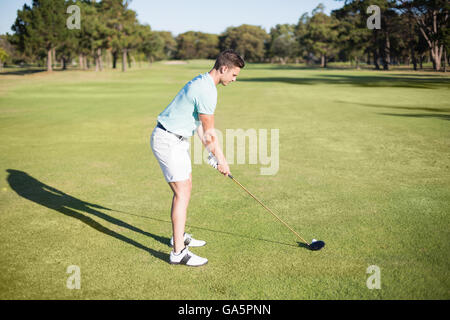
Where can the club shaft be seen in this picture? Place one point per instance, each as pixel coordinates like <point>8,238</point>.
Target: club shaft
<point>264,206</point>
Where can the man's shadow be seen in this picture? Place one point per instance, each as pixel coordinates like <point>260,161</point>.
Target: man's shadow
<point>32,189</point>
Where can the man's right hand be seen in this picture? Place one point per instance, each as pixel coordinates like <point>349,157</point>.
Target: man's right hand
<point>224,169</point>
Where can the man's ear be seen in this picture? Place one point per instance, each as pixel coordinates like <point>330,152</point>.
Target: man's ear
<point>223,69</point>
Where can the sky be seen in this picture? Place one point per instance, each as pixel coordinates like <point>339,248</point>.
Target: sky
<point>210,16</point>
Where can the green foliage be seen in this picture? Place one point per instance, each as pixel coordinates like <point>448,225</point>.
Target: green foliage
<point>7,50</point>
<point>41,27</point>
<point>283,43</point>
<point>197,45</point>
<point>3,56</point>
<point>410,31</point>
<point>248,40</point>
<point>170,44</point>
<point>321,35</point>
<point>151,43</point>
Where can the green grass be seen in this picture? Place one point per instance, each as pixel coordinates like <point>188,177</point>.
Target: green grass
<point>364,166</point>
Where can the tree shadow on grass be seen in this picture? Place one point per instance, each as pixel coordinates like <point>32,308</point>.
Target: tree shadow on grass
<point>21,72</point>
<point>441,115</point>
<point>399,81</point>
<point>420,115</point>
<point>32,189</point>
<point>420,108</point>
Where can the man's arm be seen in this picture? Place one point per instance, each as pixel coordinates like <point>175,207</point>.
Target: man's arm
<point>207,135</point>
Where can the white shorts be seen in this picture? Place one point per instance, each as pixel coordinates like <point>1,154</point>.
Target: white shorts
<point>172,154</point>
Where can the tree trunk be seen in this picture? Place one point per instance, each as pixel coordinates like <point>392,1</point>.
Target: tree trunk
<point>445,58</point>
<point>114,62</point>
<point>375,59</point>
<point>124,60</point>
<point>436,48</point>
<point>414,59</point>
<point>387,53</point>
<point>80,61</point>
<point>97,63</point>
<point>433,61</point>
<point>131,61</point>
<point>49,60</point>
<point>98,60</point>
<point>436,55</point>
<point>108,61</point>
<point>54,57</point>
<point>322,61</point>
<point>99,56</point>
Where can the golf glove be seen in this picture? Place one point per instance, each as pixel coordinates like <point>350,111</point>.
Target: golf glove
<point>212,161</point>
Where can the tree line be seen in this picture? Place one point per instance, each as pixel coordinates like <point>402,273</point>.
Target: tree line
<point>411,31</point>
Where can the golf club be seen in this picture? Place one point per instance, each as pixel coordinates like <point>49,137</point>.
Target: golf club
<point>314,245</point>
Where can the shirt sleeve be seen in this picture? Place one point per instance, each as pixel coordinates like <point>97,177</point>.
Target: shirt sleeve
<point>206,103</point>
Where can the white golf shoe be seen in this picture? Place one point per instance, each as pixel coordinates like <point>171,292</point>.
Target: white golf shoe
<point>189,241</point>
<point>188,258</point>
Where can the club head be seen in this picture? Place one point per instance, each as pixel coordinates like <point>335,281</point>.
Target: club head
<point>316,245</point>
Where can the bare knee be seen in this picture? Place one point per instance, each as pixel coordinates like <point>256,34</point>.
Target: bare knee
<point>182,190</point>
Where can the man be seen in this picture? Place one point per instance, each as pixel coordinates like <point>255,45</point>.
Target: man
<point>191,110</point>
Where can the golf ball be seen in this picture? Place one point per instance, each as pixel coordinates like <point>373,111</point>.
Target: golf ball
<point>313,240</point>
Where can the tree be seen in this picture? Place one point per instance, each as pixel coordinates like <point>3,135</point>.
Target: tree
<point>283,42</point>
<point>151,44</point>
<point>300,35</point>
<point>246,39</point>
<point>432,19</point>
<point>123,35</point>
<point>379,42</point>
<point>170,44</point>
<point>11,53</point>
<point>41,26</point>
<point>197,45</point>
<point>321,35</point>
<point>207,46</point>
<point>93,35</point>
<point>67,49</point>
<point>186,45</point>
<point>353,38</point>
<point>3,57</point>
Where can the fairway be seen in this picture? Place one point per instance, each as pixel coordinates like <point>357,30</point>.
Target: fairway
<point>364,165</point>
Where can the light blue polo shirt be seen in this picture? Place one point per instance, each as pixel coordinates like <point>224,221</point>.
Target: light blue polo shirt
<point>198,96</point>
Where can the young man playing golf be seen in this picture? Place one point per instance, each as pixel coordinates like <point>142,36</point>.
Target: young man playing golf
<point>191,110</point>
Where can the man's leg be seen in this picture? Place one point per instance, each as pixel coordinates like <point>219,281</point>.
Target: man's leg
<point>180,201</point>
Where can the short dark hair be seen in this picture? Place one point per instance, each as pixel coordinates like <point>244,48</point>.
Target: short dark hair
<point>229,58</point>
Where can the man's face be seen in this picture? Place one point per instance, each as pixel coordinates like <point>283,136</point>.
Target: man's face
<point>228,74</point>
